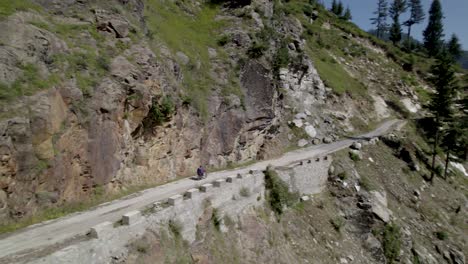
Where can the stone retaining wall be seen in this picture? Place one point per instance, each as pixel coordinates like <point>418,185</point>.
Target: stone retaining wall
<point>107,241</point>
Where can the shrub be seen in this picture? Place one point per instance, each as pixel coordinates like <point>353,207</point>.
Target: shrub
<point>342,175</point>
<point>279,195</point>
<point>337,223</point>
<point>366,183</point>
<point>216,219</point>
<point>281,58</point>
<point>175,227</point>
<point>442,235</point>
<point>391,242</point>
<point>354,156</point>
<point>223,40</point>
<point>256,50</point>
<point>244,192</point>
<point>160,112</point>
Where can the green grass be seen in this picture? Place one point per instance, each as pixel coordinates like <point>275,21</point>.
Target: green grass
<point>28,83</point>
<point>279,195</point>
<point>391,242</point>
<point>335,77</point>
<point>191,35</point>
<point>8,7</point>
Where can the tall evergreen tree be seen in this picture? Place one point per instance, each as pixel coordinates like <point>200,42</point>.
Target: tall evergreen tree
<point>380,20</point>
<point>347,14</point>
<point>339,9</point>
<point>334,7</point>
<point>454,47</point>
<point>416,16</point>
<point>434,31</point>
<point>396,9</point>
<point>442,100</point>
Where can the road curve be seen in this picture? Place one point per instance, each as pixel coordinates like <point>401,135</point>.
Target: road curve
<point>43,235</point>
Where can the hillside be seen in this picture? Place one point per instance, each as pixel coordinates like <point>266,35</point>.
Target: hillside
<point>100,99</point>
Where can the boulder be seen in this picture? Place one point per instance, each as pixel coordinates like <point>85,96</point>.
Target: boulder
<point>310,130</point>
<point>298,123</point>
<point>316,141</point>
<point>379,206</point>
<point>356,145</point>
<point>301,143</point>
<point>327,140</point>
<point>300,116</point>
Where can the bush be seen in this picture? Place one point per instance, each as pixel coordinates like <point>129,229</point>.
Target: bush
<point>342,175</point>
<point>281,58</point>
<point>442,235</point>
<point>160,112</point>
<point>391,242</point>
<point>337,223</point>
<point>366,183</point>
<point>216,219</point>
<point>354,156</point>
<point>175,227</point>
<point>279,195</point>
<point>244,192</point>
<point>223,40</point>
<point>256,50</point>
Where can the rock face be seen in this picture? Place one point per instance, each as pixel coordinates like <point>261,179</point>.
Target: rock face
<point>379,205</point>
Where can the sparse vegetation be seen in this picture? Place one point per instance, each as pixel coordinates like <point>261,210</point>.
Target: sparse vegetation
<point>441,235</point>
<point>244,192</point>
<point>391,242</point>
<point>354,156</point>
<point>279,196</point>
<point>337,223</point>
<point>175,227</point>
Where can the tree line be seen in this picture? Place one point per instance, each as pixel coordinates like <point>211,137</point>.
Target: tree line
<point>448,105</point>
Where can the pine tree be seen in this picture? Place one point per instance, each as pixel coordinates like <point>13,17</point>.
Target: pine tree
<point>396,9</point>
<point>434,31</point>
<point>339,9</point>
<point>347,15</point>
<point>454,48</point>
<point>442,100</point>
<point>381,18</point>
<point>416,16</point>
<point>334,7</point>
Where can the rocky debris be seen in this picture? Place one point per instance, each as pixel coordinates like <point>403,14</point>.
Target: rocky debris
<point>379,205</point>
<point>391,140</point>
<point>373,141</point>
<point>423,255</point>
<point>327,140</point>
<point>356,146</point>
<point>310,130</point>
<point>316,141</point>
<point>456,256</point>
<point>305,198</point>
<point>302,143</point>
<point>112,23</point>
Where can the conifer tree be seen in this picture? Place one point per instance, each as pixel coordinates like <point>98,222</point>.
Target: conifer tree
<point>334,7</point>
<point>339,9</point>
<point>454,48</point>
<point>434,31</point>
<point>442,100</point>
<point>380,21</point>
<point>416,16</point>
<point>347,15</point>
<point>396,9</point>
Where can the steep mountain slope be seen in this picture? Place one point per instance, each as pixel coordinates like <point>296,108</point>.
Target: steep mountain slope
<point>102,97</point>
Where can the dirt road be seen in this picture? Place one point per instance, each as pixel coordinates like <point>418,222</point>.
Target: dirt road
<point>43,235</point>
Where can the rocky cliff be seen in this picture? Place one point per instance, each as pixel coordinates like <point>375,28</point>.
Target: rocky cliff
<point>99,96</point>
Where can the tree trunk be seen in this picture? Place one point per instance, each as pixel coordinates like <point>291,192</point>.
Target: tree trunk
<point>447,159</point>
<point>408,37</point>
<point>434,147</point>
